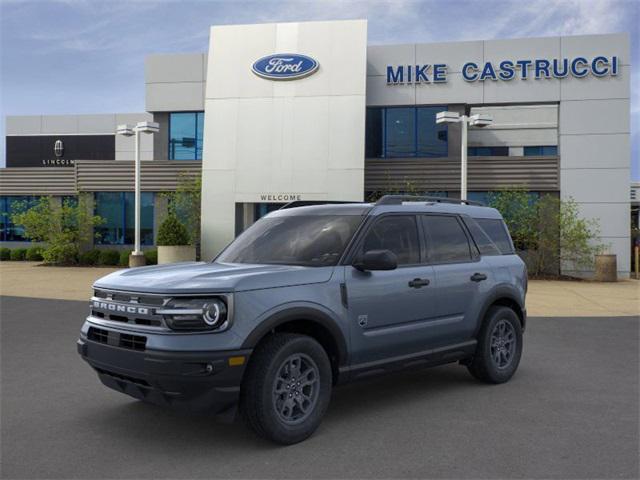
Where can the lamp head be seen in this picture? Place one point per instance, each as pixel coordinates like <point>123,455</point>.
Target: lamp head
<point>480,120</point>
<point>447,117</point>
<point>148,127</point>
<point>124,129</point>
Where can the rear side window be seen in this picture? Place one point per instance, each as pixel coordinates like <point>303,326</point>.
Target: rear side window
<point>446,240</point>
<point>497,232</point>
<point>484,243</point>
<point>398,234</point>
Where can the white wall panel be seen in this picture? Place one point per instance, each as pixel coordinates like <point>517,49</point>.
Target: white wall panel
<point>594,117</point>
<point>595,151</point>
<point>302,137</point>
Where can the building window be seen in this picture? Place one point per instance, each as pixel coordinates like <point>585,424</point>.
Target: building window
<point>488,151</point>
<point>9,232</point>
<point>405,132</point>
<point>117,209</point>
<point>541,151</point>
<point>185,135</point>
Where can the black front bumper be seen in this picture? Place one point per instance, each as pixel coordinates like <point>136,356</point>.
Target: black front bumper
<point>195,381</point>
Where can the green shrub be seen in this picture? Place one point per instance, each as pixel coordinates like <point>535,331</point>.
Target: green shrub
<point>64,227</point>
<point>18,254</point>
<point>90,257</point>
<point>151,257</point>
<point>5,253</point>
<point>109,257</point>
<point>61,254</point>
<point>34,254</point>
<point>172,232</point>
<point>124,258</point>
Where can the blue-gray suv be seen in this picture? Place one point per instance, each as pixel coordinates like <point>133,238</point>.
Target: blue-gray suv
<point>310,297</point>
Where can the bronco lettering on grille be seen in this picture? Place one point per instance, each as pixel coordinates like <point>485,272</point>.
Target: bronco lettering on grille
<point>116,307</point>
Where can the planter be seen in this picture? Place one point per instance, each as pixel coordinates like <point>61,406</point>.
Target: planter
<point>606,268</point>
<point>176,253</point>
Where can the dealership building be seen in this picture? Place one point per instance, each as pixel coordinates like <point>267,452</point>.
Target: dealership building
<point>308,111</point>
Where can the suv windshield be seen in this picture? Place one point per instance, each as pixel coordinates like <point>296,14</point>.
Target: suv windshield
<point>307,240</point>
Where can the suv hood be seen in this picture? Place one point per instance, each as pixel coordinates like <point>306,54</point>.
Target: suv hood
<point>200,277</point>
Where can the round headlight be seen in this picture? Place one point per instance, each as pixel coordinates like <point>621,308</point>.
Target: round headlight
<point>214,313</point>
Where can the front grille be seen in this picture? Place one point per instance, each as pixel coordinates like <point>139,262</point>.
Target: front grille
<point>122,340</point>
<point>98,335</point>
<point>128,308</point>
<point>133,342</point>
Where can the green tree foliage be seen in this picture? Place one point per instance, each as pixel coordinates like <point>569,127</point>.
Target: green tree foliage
<point>90,257</point>
<point>172,232</point>
<point>63,227</point>
<point>5,254</point>
<point>151,256</point>
<point>109,257</point>
<point>184,203</point>
<point>548,232</point>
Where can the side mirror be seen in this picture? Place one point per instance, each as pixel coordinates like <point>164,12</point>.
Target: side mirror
<point>377,260</point>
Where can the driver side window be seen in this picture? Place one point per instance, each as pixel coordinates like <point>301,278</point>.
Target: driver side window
<point>398,234</point>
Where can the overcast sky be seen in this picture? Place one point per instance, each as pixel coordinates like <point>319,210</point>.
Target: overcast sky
<point>87,56</point>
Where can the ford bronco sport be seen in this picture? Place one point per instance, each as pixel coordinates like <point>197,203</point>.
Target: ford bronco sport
<point>310,297</point>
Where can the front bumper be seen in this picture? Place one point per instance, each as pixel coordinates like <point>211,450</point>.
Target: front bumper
<point>194,381</point>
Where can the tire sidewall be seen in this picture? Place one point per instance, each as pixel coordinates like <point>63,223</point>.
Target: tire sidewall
<point>496,374</point>
<point>272,423</point>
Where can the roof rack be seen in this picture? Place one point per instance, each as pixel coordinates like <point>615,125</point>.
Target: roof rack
<point>306,203</point>
<point>398,199</point>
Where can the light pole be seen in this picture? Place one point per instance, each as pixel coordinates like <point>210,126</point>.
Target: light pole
<point>136,258</point>
<point>477,120</point>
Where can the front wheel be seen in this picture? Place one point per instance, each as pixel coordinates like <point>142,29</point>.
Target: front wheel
<point>287,388</point>
<point>499,346</point>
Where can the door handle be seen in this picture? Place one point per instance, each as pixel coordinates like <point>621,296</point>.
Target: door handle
<point>418,282</point>
<point>478,277</point>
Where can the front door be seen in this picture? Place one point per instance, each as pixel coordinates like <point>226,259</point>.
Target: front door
<point>390,310</point>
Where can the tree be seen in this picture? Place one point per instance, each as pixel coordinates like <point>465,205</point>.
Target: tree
<point>64,227</point>
<point>548,232</point>
<point>184,203</point>
<point>172,232</point>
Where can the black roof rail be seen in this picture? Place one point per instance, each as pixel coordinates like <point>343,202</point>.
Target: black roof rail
<point>398,199</point>
<point>307,203</point>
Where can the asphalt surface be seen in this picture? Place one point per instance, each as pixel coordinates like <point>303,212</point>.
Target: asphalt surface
<point>571,411</point>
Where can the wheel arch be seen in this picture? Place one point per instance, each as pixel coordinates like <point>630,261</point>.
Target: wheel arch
<point>307,321</point>
<point>504,296</point>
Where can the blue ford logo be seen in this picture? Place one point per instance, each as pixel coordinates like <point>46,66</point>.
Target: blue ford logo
<point>285,66</point>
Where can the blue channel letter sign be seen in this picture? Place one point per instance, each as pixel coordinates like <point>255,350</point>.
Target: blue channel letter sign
<point>285,66</point>
<point>578,67</point>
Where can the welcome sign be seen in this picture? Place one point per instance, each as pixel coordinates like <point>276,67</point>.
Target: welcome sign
<point>506,70</point>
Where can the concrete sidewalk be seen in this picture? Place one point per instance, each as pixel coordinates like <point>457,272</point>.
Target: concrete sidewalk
<point>546,298</point>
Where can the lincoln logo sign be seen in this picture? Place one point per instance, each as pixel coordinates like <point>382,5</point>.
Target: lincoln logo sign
<point>285,66</point>
<point>58,148</point>
<point>505,70</point>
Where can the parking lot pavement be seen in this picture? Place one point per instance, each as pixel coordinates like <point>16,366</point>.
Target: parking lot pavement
<point>570,412</point>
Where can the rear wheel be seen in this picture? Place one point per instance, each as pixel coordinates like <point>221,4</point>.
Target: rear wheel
<point>499,346</point>
<point>287,388</point>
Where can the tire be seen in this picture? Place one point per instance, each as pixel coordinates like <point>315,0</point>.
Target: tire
<point>271,403</point>
<point>499,363</point>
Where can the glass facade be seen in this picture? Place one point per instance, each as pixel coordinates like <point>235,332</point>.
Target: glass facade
<point>405,132</point>
<point>488,151</point>
<point>8,206</point>
<point>117,209</point>
<point>185,135</point>
<point>541,151</point>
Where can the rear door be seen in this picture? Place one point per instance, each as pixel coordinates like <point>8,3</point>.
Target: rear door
<point>461,276</point>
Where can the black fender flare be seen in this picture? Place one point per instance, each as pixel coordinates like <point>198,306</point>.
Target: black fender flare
<point>300,313</point>
<point>508,292</point>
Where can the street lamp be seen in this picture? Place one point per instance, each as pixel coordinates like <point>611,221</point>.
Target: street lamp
<point>477,120</point>
<point>136,258</point>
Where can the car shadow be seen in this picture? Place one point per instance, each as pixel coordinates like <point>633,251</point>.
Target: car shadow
<point>179,431</point>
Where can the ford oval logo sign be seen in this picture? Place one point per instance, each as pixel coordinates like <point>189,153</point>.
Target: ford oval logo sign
<point>285,66</point>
